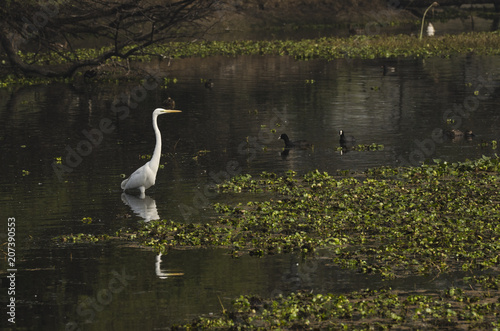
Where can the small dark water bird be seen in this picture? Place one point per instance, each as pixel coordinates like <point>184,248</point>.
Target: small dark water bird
<point>169,103</point>
<point>387,69</point>
<point>344,140</point>
<point>91,73</point>
<point>353,30</point>
<point>455,133</point>
<point>284,153</point>
<point>209,84</point>
<point>292,144</point>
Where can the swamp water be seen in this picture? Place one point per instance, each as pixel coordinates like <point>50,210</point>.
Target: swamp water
<point>228,129</point>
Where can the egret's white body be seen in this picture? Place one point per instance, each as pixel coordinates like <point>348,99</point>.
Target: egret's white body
<point>430,30</point>
<point>145,177</point>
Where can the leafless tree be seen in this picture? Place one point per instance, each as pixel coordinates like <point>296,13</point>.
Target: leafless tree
<point>126,26</point>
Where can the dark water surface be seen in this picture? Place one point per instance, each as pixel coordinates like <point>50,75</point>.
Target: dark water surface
<point>223,130</point>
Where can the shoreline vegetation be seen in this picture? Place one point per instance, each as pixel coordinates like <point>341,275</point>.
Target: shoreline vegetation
<point>429,220</point>
<point>328,48</point>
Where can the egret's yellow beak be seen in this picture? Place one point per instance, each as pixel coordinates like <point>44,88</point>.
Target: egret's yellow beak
<point>171,111</point>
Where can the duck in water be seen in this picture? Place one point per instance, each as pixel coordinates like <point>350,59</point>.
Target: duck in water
<point>169,103</point>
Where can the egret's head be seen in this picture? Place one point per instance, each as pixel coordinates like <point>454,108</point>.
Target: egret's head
<point>160,111</point>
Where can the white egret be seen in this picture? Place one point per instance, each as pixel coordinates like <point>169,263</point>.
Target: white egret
<point>430,30</point>
<point>423,18</point>
<point>145,177</point>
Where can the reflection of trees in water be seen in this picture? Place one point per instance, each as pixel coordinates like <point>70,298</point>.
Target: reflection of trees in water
<point>29,112</point>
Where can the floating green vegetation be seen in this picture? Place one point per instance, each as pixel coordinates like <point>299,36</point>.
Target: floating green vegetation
<point>200,154</point>
<point>87,220</point>
<point>11,80</point>
<point>329,48</point>
<point>168,81</point>
<point>82,237</point>
<point>370,147</point>
<point>436,218</point>
<point>383,309</point>
<point>107,77</point>
<point>362,47</point>
<point>363,147</point>
<point>493,144</point>
<point>391,221</point>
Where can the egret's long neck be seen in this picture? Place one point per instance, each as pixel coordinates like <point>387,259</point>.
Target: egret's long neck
<point>155,159</point>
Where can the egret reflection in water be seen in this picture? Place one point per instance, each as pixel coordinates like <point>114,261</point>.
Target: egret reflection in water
<point>143,206</point>
<point>161,274</point>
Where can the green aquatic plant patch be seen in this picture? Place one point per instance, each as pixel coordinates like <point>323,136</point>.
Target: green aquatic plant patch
<point>361,47</point>
<point>432,219</point>
<point>392,221</point>
<point>451,309</point>
<point>328,48</point>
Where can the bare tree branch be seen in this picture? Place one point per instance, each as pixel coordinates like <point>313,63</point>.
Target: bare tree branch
<point>128,26</point>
